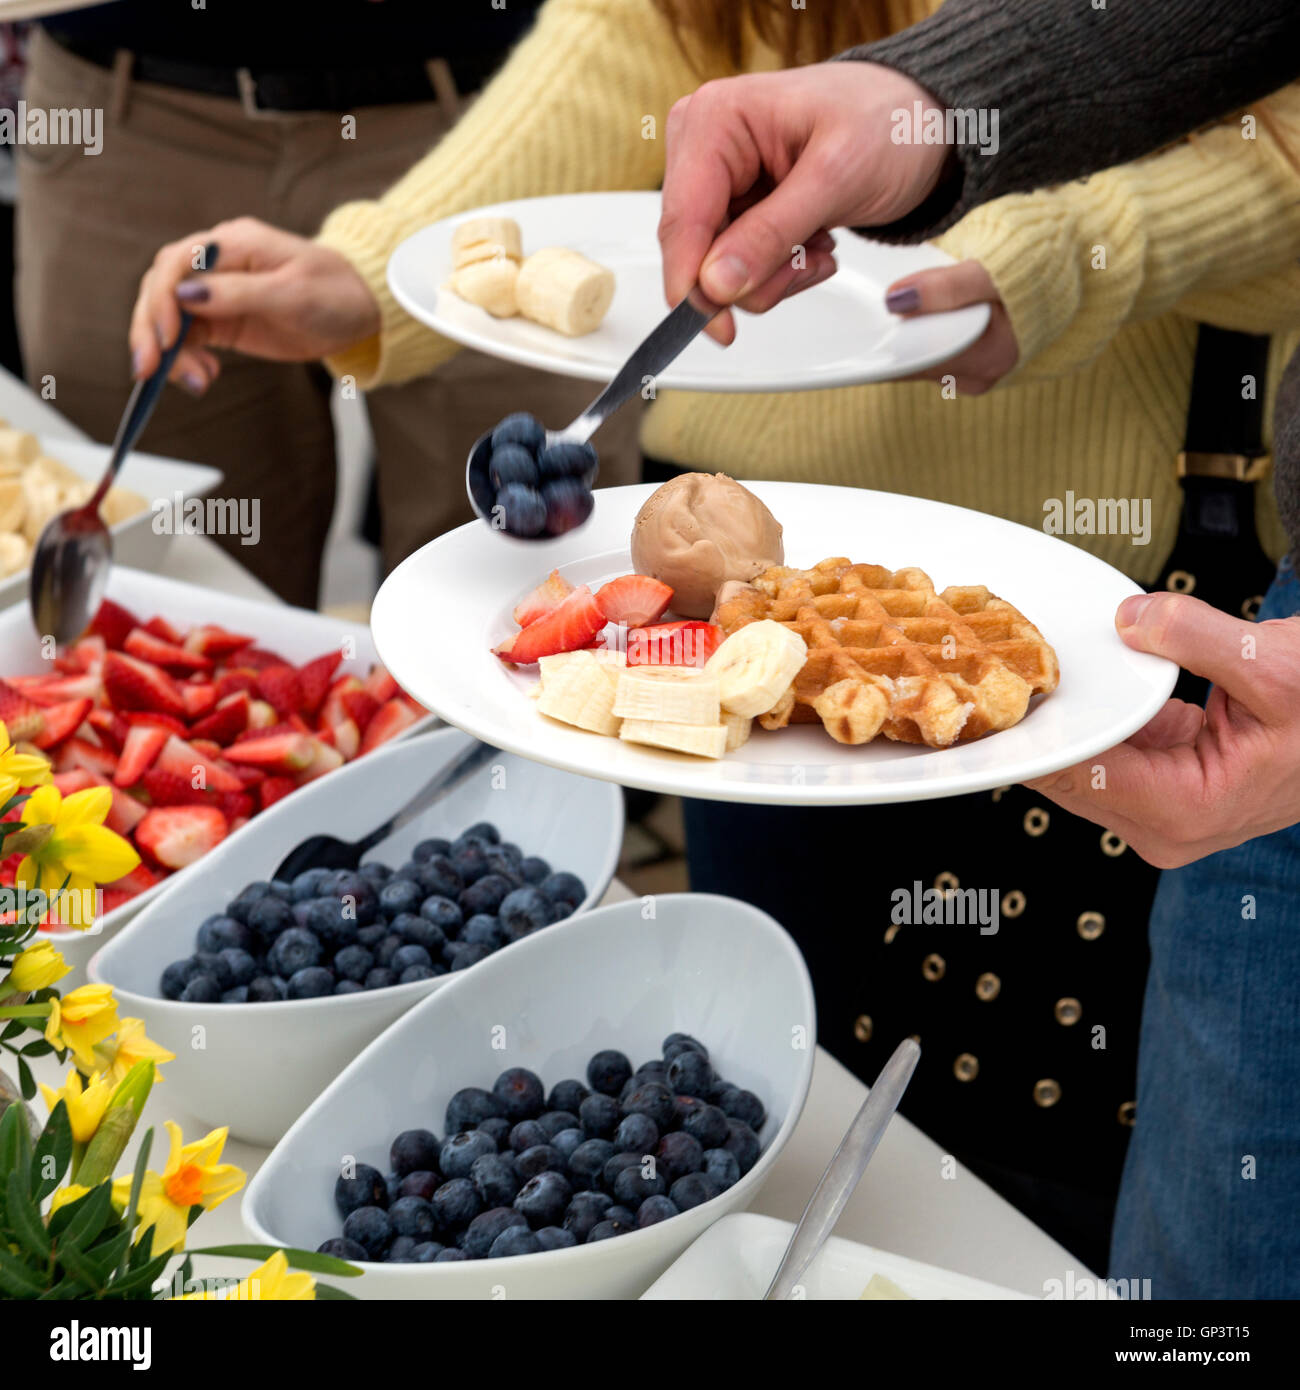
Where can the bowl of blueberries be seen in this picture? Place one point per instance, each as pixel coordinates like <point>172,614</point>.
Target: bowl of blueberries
<point>561,1121</point>
<point>265,990</point>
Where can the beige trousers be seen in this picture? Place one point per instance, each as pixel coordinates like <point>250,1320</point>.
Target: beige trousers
<point>173,162</point>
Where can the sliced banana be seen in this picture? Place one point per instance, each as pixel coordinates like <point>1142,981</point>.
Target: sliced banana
<point>755,665</point>
<point>13,504</point>
<point>561,289</point>
<point>120,503</point>
<point>738,727</point>
<point>18,444</point>
<point>703,740</point>
<point>14,554</point>
<point>490,284</point>
<point>484,239</point>
<point>579,691</point>
<point>672,695</point>
<point>42,502</point>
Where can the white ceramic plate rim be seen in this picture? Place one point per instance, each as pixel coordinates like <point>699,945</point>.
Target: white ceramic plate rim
<point>913,344</point>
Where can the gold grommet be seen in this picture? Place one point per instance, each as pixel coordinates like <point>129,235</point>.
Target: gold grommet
<point>1250,607</point>
<point>891,931</point>
<point>1068,1011</point>
<point>1047,1092</point>
<point>1013,903</point>
<point>988,986</point>
<point>946,882</point>
<point>1090,925</point>
<point>1180,582</point>
<point>1036,821</point>
<point>933,966</point>
<point>966,1067</point>
<point>862,1027</point>
<point>1112,845</point>
<point>998,791</point>
<point>1127,1113</point>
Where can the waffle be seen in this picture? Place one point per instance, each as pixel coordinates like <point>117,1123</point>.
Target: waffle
<point>887,654</point>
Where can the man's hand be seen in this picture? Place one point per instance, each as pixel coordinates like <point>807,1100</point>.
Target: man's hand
<point>760,166</point>
<point>1196,781</point>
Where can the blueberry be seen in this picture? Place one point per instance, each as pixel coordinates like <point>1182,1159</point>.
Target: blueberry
<point>497,861</point>
<point>469,955</point>
<point>722,1165</point>
<point>567,1095</point>
<point>314,982</point>
<point>483,929</point>
<point>522,511</point>
<point>587,1162</point>
<point>615,1166</point>
<point>694,1189</point>
<point>744,1143</point>
<point>518,1240</point>
<point>419,931</point>
<point>364,1188</point>
<point>294,950</point>
<point>566,461</point>
<point>266,989</point>
<point>524,910</point>
<point>377,873</point>
<point>370,936</point>
<point>387,948</point>
<point>521,1092</point>
<point>406,956</point>
<point>689,1073</point>
<point>268,917</point>
<point>584,1211</point>
<point>487,1226</point>
<point>211,963</point>
<point>608,1071</point>
<point>633,1185</point>
<point>426,849</point>
<point>342,1249</point>
<point>380,978</point>
<point>427,1252</point>
<point>401,1251</point>
<point>470,1107</point>
<point>414,1150</point>
<point>534,870</point>
<point>424,1182</point>
<point>654,1210</point>
<point>470,860</point>
<point>437,877</point>
<point>482,830</point>
<point>553,1121</point>
<point>702,1121</point>
<point>456,1203</point>
<point>392,1186</point>
<point>493,1176</point>
<point>744,1106</point>
<point>240,966</point>
<point>413,974</point>
<point>498,1127</point>
<point>201,989</point>
<point>599,1116</point>
<point>310,883</point>
<point>555,1238</point>
<point>333,921</point>
<point>678,1154</point>
<point>605,1230</point>
<point>237,995</point>
<point>449,1256</point>
<point>636,1134</point>
<point>399,895</point>
<point>458,1153</point>
<point>564,888</point>
<point>486,895</point>
<point>413,1216</point>
<point>519,428</point>
<point>652,1098</point>
<point>349,987</point>
<point>353,963</point>
<point>540,1158</point>
<point>544,1198</point>
<point>443,913</point>
<point>675,1040</point>
<point>371,1229</point>
<point>653,1070</point>
<point>526,1134</point>
<point>176,976</point>
<point>567,503</point>
<point>566,1141</point>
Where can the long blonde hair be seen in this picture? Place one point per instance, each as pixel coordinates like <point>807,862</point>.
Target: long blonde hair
<point>810,35</point>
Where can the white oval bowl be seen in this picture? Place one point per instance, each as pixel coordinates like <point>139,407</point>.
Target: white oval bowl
<point>255,1067</point>
<point>710,966</point>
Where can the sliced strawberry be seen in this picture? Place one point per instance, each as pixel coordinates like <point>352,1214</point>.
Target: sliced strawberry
<point>236,679</point>
<point>288,751</point>
<point>185,760</point>
<point>76,779</point>
<point>544,599</point>
<point>168,789</point>
<point>125,813</point>
<point>158,721</point>
<point>143,744</point>
<point>88,652</point>
<point>572,625</point>
<point>381,685</point>
<point>314,679</point>
<point>226,722</point>
<point>236,805</point>
<point>360,706</point>
<point>54,690</point>
<point>22,718</point>
<point>112,728</point>
<point>61,721</point>
<point>346,737</point>
<point>673,644</point>
<point>248,776</point>
<point>275,789</point>
<point>141,878</point>
<point>112,622</point>
<point>279,686</point>
<point>134,684</point>
<point>76,752</point>
<point>214,642</point>
<point>272,730</point>
<point>261,715</point>
<point>635,599</point>
<point>325,759</point>
<point>200,698</point>
<point>208,748</point>
<point>259,658</point>
<point>169,655</point>
<point>390,720</point>
<point>67,665</point>
<point>176,836</point>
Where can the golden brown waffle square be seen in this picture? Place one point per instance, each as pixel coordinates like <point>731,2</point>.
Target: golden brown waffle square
<point>887,654</point>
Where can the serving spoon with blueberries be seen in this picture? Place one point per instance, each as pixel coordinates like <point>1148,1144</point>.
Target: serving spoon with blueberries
<point>536,483</point>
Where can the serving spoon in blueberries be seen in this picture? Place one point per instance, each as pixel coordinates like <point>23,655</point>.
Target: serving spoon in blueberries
<point>536,483</point>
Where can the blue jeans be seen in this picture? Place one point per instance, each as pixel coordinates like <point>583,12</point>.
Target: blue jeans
<point>1209,1206</point>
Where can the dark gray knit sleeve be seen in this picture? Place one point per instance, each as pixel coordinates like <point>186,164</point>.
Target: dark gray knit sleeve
<point>1078,89</point>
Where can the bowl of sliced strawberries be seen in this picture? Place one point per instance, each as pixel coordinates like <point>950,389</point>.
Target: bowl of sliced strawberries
<point>198,711</point>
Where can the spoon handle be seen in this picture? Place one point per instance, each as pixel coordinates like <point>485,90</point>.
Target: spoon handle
<point>663,345</point>
<point>437,787</point>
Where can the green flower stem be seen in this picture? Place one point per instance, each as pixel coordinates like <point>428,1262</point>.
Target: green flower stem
<point>26,1011</point>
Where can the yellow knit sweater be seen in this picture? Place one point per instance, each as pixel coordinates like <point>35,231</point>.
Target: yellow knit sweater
<point>1104,281</point>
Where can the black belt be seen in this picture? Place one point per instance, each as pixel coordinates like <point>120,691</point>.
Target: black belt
<point>298,89</point>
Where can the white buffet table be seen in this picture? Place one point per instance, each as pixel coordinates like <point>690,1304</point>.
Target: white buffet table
<point>904,1204</point>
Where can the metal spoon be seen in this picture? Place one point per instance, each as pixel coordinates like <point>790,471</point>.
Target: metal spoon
<point>845,1170</point>
<point>72,559</point>
<point>328,852</point>
<point>663,346</point>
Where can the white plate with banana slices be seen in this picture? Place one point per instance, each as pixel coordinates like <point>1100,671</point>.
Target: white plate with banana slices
<point>837,334</point>
<point>440,613</point>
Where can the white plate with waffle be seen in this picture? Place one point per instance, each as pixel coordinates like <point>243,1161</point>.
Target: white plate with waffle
<point>440,613</point>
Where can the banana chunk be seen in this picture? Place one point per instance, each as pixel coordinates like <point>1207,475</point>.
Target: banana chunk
<point>672,695</point>
<point>14,554</point>
<point>580,691</point>
<point>490,284</point>
<point>562,289</point>
<point>703,740</point>
<point>755,665</point>
<point>738,727</point>
<point>485,239</point>
<point>18,445</point>
<point>13,505</point>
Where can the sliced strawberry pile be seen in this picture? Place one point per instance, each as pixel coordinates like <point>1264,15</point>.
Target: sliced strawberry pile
<point>193,731</point>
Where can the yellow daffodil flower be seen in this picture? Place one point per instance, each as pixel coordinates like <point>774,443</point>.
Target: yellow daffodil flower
<point>19,769</point>
<point>39,966</point>
<point>63,1195</point>
<point>193,1177</point>
<point>65,839</point>
<point>271,1280</point>
<point>86,1105</point>
<point>81,1019</point>
<point>130,1045</point>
